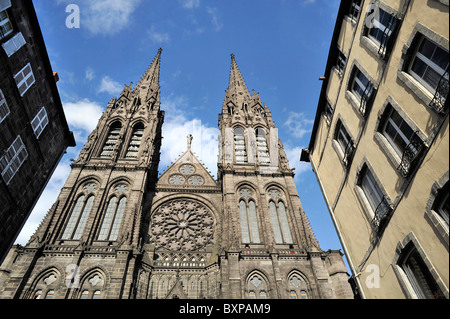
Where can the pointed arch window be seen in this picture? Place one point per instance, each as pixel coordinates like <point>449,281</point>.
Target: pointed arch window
<point>111,140</point>
<point>78,218</point>
<point>249,222</point>
<point>261,145</point>
<point>240,150</point>
<point>135,141</point>
<point>113,219</point>
<point>280,224</point>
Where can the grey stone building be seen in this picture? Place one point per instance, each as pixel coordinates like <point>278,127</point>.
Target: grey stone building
<point>33,130</point>
<point>119,231</point>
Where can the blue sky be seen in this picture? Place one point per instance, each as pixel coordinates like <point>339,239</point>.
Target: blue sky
<point>281,47</point>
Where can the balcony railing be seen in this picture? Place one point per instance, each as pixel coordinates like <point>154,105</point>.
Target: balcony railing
<point>441,94</point>
<point>410,154</point>
<point>380,215</point>
<point>366,99</point>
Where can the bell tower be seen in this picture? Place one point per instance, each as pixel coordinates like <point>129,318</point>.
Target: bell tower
<point>87,244</point>
<point>263,215</point>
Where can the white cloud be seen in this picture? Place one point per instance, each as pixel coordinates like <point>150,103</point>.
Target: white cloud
<point>90,75</point>
<point>298,125</point>
<point>175,130</point>
<point>105,17</point>
<point>45,202</point>
<point>190,4</point>
<point>215,20</point>
<point>293,155</point>
<point>110,86</point>
<point>83,114</point>
<point>157,37</point>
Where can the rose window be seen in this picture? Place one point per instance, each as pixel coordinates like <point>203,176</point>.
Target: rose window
<point>182,224</point>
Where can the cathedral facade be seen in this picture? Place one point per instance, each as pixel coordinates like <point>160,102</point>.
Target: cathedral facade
<point>118,231</point>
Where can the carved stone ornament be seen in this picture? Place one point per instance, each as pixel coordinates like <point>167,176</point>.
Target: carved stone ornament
<point>182,224</point>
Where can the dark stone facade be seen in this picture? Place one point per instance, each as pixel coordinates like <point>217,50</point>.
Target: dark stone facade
<point>43,153</point>
<point>184,234</point>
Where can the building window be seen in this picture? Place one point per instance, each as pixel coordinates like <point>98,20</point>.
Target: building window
<point>113,219</point>
<point>303,295</point>
<point>251,294</point>
<point>328,111</point>
<point>429,64</point>
<point>13,159</point>
<point>441,204</point>
<point>341,62</point>
<point>293,295</point>
<point>85,294</point>
<point>249,222</point>
<point>362,89</point>
<point>78,218</point>
<point>5,24</point>
<point>344,141</point>
<point>378,203</point>
<point>39,122</point>
<point>280,224</point>
<point>24,79</point>
<point>111,140</point>
<point>355,9</point>
<point>261,144</point>
<point>239,144</point>
<point>418,274</point>
<point>135,141</point>
<point>382,30</point>
<point>4,110</point>
<point>403,139</point>
<point>14,44</point>
<point>257,286</point>
<point>97,294</point>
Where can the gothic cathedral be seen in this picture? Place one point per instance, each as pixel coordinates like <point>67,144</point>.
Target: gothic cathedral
<point>117,231</point>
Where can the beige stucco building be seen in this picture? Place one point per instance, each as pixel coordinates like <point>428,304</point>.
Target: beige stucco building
<point>380,145</point>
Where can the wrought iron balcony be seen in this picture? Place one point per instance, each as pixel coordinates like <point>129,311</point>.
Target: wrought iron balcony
<point>410,154</point>
<point>441,94</point>
<point>381,214</point>
<point>366,100</point>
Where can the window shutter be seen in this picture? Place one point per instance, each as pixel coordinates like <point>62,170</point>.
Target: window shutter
<point>14,44</point>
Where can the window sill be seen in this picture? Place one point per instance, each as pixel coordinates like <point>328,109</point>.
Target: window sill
<point>355,103</point>
<point>392,156</point>
<point>418,89</point>
<point>372,47</point>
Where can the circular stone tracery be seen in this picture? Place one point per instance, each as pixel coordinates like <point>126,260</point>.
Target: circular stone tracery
<point>182,224</point>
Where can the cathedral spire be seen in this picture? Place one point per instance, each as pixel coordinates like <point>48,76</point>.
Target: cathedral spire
<point>149,83</point>
<point>237,91</point>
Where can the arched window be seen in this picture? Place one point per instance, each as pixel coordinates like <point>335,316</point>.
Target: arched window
<point>92,285</point>
<point>113,219</point>
<point>111,140</point>
<point>297,285</point>
<point>280,224</point>
<point>135,141</point>
<point>261,144</point>
<point>249,222</point>
<point>239,146</point>
<point>78,218</point>
<point>50,294</point>
<point>257,286</point>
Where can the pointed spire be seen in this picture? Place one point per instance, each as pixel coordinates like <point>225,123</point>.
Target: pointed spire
<point>149,83</point>
<point>237,91</point>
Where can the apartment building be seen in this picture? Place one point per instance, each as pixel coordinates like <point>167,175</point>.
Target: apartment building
<point>33,130</point>
<point>380,145</point>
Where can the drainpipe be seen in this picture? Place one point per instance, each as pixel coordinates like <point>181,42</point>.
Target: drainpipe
<point>352,268</point>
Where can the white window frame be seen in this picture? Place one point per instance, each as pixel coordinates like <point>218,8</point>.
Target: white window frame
<point>371,190</point>
<point>13,159</point>
<point>4,109</point>
<point>361,85</point>
<point>355,8</point>
<point>428,62</point>
<point>5,21</point>
<point>25,78</point>
<point>380,26</point>
<point>390,121</point>
<point>39,122</point>
<point>342,131</point>
<point>14,44</point>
